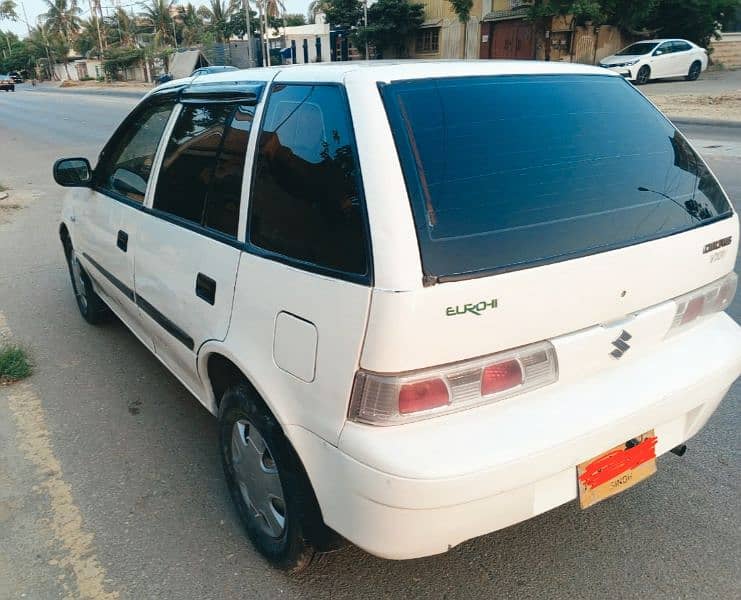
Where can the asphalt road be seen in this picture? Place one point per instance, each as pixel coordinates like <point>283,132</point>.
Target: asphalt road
<point>110,481</point>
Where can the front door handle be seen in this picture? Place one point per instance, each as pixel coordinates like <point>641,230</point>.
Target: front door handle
<point>122,241</point>
<point>206,288</point>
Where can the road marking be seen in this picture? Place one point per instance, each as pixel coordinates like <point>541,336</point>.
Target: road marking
<point>65,522</point>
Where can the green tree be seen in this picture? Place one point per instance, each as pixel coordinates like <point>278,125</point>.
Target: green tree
<point>7,10</point>
<point>294,19</point>
<point>316,7</point>
<point>390,25</point>
<point>191,25</point>
<point>157,19</point>
<point>462,9</point>
<point>62,18</point>
<point>217,16</point>
<point>343,14</point>
<point>237,25</point>
<point>695,20</point>
<point>121,28</point>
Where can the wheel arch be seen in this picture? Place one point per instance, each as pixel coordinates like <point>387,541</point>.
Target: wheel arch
<point>218,369</point>
<point>66,238</point>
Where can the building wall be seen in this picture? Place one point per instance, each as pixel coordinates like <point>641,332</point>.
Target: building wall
<point>440,14</point>
<point>727,51</point>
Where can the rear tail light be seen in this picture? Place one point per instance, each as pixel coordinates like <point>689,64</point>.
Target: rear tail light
<point>707,300</point>
<point>402,398</point>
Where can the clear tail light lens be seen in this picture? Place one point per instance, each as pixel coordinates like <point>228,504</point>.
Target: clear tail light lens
<point>707,300</point>
<point>380,399</point>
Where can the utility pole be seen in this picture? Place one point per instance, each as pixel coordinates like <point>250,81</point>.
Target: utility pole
<point>263,32</point>
<point>365,17</point>
<point>94,4</point>
<point>25,19</point>
<point>248,31</point>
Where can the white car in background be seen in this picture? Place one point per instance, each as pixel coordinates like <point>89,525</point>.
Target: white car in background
<point>655,59</point>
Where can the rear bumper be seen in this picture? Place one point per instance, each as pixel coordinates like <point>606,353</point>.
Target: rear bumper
<point>420,489</point>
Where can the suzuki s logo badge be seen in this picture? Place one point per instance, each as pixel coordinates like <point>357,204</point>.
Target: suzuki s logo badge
<point>621,345</point>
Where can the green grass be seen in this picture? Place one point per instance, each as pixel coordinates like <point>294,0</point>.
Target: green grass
<point>14,363</point>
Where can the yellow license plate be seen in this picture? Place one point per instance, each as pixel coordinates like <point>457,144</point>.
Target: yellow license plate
<point>617,469</point>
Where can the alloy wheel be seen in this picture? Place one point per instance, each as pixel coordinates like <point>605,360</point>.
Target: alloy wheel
<point>257,477</point>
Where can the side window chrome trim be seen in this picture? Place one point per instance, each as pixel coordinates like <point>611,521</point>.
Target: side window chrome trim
<point>159,156</point>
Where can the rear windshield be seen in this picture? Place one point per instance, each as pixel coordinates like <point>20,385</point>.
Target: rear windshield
<point>637,49</point>
<point>511,171</point>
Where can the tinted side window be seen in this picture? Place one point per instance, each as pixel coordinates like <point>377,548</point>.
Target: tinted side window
<point>222,205</point>
<point>665,48</point>
<point>127,163</point>
<point>305,200</point>
<point>189,161</point>
<point>681,46</point>
<point>201,175</point>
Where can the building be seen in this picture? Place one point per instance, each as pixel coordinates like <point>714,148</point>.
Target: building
<point>501,29</point>
<point>309,43</point>
<point>442,35</point>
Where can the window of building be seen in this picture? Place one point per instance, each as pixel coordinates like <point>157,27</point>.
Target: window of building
<point>305,202</point>
<point>201,175</point>
<point>428,40</point>
<point>126,163</point>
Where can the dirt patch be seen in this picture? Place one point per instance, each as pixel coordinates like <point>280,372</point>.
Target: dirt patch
<point>725,107</point>
<point>101,85</point>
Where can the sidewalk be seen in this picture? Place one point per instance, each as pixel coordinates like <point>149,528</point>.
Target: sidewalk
<point>124,89</point>
<point>714,99</point>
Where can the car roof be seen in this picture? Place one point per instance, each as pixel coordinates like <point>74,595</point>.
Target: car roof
<point>361,71</point>
<point>658,41</point>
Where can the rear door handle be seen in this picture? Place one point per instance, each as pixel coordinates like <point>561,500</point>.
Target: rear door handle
<point>122,241</point>
<point>206,288</point>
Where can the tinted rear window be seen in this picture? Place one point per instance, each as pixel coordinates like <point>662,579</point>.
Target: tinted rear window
<point>511,171</point>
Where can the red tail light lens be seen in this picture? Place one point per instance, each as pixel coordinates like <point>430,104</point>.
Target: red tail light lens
<point>392,399</point>
<point>423,395</point>
<point>712,298</point>
<point>500,377</point>
<point>693,310</point>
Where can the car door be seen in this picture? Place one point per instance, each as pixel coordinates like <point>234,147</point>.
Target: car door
<point>304,285</point>
<point>661,61</point>
<point>110,210</point>
<point>681,58</point>
<point>187,247</point>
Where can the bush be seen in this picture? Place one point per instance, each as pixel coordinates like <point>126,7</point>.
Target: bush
<point>14,364</point>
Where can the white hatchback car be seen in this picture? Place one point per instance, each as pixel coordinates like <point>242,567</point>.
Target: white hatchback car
<point>425,300</point>
<point>655,59</point>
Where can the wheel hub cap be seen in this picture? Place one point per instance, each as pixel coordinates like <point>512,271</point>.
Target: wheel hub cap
<point>257,476</point>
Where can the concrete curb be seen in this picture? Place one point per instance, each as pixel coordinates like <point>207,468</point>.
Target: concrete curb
<point>706,122</point>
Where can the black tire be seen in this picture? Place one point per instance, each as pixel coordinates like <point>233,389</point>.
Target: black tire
<point>643,75</point>
<point>695,70</point>
<point>92,308</point>
<point>304,529</point>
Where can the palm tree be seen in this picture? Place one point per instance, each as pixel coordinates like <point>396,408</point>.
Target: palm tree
<point>192,25</point>
<point>62,18</point>
<point>7,10</point>
<point>275,8</point>
<point>156,16</point>
<point>316,7</point>
<point>123,28</point>
<point>218,15</point>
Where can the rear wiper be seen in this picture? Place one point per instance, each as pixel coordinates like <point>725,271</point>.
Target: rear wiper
<point>684,208</point>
